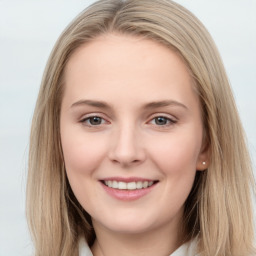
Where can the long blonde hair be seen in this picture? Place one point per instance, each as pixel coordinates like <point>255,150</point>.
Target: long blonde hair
<point>218,210</point>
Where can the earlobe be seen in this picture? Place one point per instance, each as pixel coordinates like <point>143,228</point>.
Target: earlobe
<point>202,165</point>
<point>203,160</point>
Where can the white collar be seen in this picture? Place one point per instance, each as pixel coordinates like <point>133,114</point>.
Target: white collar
<point>187,249</point>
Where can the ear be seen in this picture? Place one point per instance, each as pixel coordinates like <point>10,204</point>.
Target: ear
<point>203,160</point>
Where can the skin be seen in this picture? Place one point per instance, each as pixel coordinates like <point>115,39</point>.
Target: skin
<point>128,73</point>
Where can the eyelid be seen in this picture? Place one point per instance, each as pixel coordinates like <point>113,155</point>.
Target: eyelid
<point>169,116</point>
<point>173,120</point>
<point>85,117</point>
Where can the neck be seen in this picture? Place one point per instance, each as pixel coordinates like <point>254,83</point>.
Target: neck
<point>162,241</point>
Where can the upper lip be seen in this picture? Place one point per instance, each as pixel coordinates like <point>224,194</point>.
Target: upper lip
<point>127,179</point>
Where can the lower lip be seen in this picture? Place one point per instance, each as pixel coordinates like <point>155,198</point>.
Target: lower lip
<point>127,195</point>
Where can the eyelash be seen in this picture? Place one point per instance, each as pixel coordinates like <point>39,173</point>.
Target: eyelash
<point>169,121</point>
<point>89,119</point>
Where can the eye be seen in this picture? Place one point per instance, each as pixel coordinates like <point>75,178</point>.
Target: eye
<point>162,121</point>
<point>93,121</point>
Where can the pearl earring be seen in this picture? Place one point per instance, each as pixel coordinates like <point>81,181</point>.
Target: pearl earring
<point>204,163</point>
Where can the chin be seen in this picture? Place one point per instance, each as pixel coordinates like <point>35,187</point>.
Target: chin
<point>128,223</point>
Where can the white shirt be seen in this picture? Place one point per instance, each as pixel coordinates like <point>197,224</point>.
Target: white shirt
<point>187,249</point>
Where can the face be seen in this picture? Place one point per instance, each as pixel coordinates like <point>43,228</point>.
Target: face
<point>131,133</point>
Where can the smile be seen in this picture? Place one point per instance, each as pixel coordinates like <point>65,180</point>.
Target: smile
<point>128,189</point>
<point>128,185</point>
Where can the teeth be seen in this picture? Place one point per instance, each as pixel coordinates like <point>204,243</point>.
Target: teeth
<point>114,184</point>
<point>145,184</point>
<point>122,185</point>
<point>131,185</point>
<point>139,185</point>
<point>128,185</point>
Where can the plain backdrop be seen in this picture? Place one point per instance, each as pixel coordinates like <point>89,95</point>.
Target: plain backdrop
<point>28,31</point>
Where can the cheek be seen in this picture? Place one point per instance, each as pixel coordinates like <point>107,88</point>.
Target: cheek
<point>176,159</point>
<point>176,154</point>
<point>82,154</point>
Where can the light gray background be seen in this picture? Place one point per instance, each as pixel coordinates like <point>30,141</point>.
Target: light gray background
<point>28,31</point>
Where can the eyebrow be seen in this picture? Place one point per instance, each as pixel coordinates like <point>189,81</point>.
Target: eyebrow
<point>164,103</point>
<point>150,105</point>
<point>93,103</point>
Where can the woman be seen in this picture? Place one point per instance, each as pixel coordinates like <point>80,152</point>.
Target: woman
<point>136,144</point>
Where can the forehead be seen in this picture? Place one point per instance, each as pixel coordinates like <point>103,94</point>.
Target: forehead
<point>112,48</point>
<point>126,66</point>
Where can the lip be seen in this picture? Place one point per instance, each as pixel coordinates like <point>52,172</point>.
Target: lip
<point>127,179</point>
<point>127,195</point>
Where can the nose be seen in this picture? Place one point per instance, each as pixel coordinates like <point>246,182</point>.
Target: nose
<point>127,147</point>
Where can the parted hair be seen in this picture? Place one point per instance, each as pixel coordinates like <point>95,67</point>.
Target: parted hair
<point>218,210</point>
